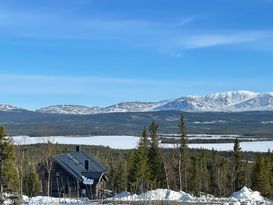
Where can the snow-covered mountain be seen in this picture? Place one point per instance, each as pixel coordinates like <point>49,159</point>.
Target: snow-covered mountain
<point>232,101</point>
<point>134,106</point>
<point>9,108</point>
<point>69,109</point>
<point>130,107</point>
<point>213,103</point>
<point>262,102</point>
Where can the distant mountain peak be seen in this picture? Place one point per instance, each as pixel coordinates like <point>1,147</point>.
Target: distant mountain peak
<point>230,101</point>
<point>9,108</point>
<point>69,109</point>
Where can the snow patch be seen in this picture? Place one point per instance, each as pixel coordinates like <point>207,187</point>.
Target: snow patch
<point>267,122</point>
<point>87,181</point>
<point>44,200</point>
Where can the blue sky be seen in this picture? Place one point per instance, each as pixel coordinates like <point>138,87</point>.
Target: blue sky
<point>100,52</point>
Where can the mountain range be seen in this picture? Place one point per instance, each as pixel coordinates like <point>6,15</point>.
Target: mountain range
<point>231,101</point>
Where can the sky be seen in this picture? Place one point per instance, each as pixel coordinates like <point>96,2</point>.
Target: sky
<point>101,52</point>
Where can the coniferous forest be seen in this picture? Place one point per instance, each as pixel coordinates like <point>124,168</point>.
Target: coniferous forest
<point>146,167</point>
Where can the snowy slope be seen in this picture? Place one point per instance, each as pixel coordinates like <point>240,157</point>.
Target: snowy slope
<point>135,106</point>
<point>214,102</point>
<point>262,102</point>
<point>130,107</point>
<point>69,109</point>
<point>9,108</point>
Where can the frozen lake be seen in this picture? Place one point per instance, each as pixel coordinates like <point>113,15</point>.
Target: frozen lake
<point>130,142</point>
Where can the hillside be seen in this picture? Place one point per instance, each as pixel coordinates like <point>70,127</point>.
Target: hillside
<point>34,123</point>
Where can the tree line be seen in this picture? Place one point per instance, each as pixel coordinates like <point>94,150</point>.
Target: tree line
<point>147,167</point>
<point>197,171</point>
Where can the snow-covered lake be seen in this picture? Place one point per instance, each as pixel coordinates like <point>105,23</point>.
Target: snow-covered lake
<point>116,142</point>
<point>130,142</point>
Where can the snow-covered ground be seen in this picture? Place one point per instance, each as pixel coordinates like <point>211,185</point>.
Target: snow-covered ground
<point>44,200</point>
<point>130,142</point>
<point>243,197</point>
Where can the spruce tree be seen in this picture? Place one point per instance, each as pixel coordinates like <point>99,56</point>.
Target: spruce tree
<point>261,176</point>
<point>31,182</point>
<point>200,174</point>
<point>9,179</point>
<point>237,166</point>
<point>140,173</point>
<point>156,163</point>
<point>184,160</point>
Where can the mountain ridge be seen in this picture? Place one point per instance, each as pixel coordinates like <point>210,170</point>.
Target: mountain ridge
<point>230,101</point>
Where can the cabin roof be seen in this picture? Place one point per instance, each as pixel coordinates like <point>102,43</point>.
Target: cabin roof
<point>74,162</point>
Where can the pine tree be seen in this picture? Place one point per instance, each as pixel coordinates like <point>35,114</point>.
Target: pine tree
<point>9,179</point>
<point>156,163</point>
<point>184,160</point>
<point>237,166</point>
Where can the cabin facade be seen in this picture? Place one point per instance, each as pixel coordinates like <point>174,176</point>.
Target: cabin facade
<point>75,175</point>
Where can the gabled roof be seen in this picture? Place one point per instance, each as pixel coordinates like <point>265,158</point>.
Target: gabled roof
<point>73,163</point>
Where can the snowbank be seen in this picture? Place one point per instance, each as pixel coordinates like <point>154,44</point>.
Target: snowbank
<point>244,196</point>
<point>158,194</point>
<point>44,200</point>
<point>247,195</point>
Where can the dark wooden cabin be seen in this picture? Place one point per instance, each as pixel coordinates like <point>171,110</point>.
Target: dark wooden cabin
<point>76,174</point>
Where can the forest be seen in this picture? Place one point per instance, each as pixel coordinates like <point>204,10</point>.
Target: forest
<point>146,167</point>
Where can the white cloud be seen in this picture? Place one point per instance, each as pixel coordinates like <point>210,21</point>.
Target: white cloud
<point>224,38</point>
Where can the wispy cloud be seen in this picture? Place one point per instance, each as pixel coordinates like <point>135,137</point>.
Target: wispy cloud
<point>167,37</point>
<point>224,38</point>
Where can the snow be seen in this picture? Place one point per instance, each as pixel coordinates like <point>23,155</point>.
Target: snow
<point>209,122</point>
<point>262,102</point>
<point>256,146</point>
<point>231,101</point>
<point>87,181</point>
<point>9,108</point>
<point>267,122</point>
<point>69,109</point>
<point>130,142</point>
<point>247,195</point>
<point>244,196</point>
<point>44,200</point>
<point>116,142</point>
<point>158,194</point>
